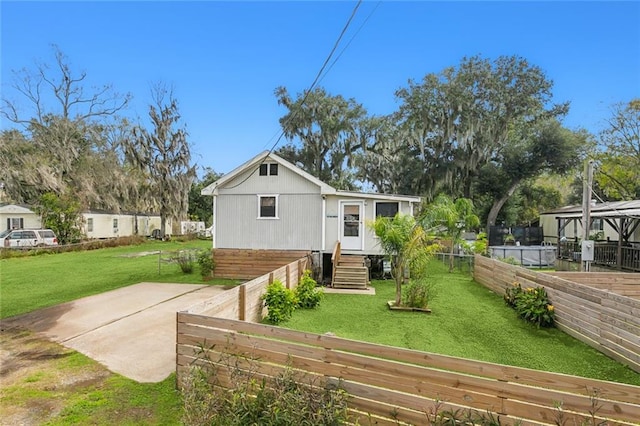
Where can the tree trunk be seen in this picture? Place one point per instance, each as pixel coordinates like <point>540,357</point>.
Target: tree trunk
<point>451,256</point>
<point>497,206</point>
<point>163,225</point>
<point>399,276</point>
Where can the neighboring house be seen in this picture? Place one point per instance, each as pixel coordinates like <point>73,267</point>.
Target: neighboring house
<point>269,203</point>
<point>95,223</point>
<point>103,224</point>
<point>14,216</point>
<point>614,225</point>
<point>606,218</point>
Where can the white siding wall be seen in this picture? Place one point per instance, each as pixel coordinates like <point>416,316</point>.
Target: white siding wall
<point>299,222</point>
<point>371,242</point>
<point>103,225</point>
<point>574,229</point>
<point>29,220</point>
<point>298,226</point>
<point>286,182</point>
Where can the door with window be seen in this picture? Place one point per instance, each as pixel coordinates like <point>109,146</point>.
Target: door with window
<point>351,225</point>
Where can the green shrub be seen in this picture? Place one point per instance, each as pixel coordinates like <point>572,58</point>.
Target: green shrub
<point>186,260</point>
<point>290,398</point>
<point>531,304</point>
<point>206,263</point>
<point>418,294</point>
<point>280,302</point>
<point>307,294</point>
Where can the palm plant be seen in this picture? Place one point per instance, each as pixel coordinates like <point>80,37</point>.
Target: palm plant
<point>449,218</point>
<point>406,243</point>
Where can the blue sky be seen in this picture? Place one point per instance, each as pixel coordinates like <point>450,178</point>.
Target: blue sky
<point>225,59</point>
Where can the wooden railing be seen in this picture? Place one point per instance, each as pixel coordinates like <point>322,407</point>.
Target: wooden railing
<point>605,254</point>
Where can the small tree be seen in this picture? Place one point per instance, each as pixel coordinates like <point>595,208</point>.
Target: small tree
<point>406,244</point>
<point>449,218</point>
<point>163,155</point>
<point>62,215</point>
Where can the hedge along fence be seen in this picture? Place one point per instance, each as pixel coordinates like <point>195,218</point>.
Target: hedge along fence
<point>605,320</point>
<point>390,386</point>
<point>386,385</point>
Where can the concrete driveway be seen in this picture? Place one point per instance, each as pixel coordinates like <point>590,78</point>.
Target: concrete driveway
<point>131,330</point>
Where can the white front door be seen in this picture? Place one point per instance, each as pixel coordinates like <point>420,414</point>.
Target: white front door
<point>351,225</point>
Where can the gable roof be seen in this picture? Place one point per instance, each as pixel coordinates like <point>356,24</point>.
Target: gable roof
<point>325,189</point>
<point>254,163</point>
<point>9,208</point>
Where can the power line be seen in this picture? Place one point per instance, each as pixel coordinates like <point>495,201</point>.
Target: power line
<point>308,91</point>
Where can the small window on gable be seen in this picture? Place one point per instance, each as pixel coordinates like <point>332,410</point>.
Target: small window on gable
<point>386,209</point>
<point>268,206</point>
<point>269,169</point>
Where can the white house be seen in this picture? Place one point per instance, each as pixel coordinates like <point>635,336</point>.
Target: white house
<point>269,203</point>
<point>14,216</point>
<point>95,223</point>
<point>104,224</point>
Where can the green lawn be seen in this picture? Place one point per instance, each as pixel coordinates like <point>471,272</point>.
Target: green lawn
<point>34,282</point>
<point>467,321</point>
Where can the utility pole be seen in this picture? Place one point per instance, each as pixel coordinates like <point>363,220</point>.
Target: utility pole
<point>587,182</point>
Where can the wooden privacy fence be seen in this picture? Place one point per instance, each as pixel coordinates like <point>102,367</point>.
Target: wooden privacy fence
<point>390,386</point>
<point>622,283</point>
<point>593,312</point>
<point>244,302</point>
<point>248,264</point>
<point>387,385</point>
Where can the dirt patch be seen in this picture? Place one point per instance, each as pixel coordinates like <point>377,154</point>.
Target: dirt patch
<point>37,376</point>
<point>141,253</point>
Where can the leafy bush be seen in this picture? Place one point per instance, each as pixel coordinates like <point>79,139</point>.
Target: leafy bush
<point>280,302</point>
<point>290,398</point>
<point>206,263</point>
<point>186,260</point>
<point>418,294</point>
<point>531,304</point>
<point>307,294</point>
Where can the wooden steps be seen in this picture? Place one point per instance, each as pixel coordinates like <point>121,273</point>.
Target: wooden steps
<point>350,272</point>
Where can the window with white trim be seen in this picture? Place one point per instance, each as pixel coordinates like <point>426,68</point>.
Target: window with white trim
<point>90,224</point>
<point>267,206</point>
<point>15,223</point>
<point>115,225</point>
<point>269,169</point>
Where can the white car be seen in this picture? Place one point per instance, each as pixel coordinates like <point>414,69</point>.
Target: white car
<point>26,238</point>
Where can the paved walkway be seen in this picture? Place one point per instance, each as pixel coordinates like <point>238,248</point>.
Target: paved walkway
<point>131,330</point>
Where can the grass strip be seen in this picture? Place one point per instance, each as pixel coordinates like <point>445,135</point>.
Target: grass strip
<point>34,282</point>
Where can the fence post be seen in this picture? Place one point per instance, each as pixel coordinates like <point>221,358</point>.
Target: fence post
<point>159,260</point>
<point>242,303</point>
<point>288,273</point>
<point>270,277</point>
